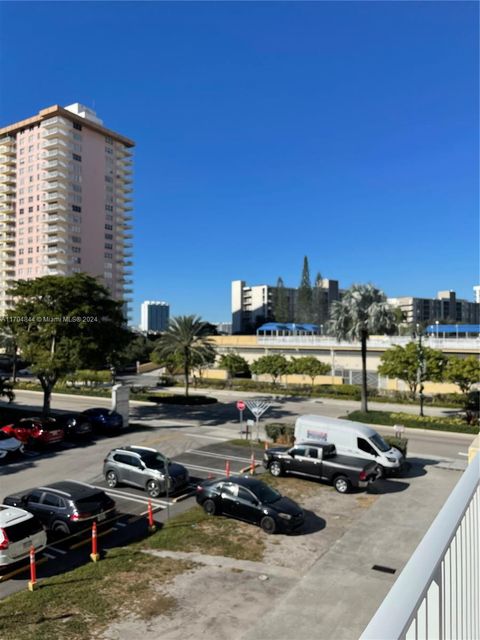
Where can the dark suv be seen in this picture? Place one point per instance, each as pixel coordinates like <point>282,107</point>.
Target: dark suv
<point>144,468</point>
<point>65,507</point>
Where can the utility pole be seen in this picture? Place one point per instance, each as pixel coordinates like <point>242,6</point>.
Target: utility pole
<point>421,370</point>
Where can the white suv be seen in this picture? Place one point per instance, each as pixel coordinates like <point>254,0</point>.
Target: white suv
<point>19,530</point>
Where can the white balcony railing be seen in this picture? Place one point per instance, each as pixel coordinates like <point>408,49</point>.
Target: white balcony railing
<point>437,594</point>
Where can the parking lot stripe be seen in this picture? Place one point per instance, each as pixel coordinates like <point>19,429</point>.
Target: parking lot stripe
<point>210,454</point>
<point>49,556</point>
<point>133,496</point>
<point>206,469</point>
<point>88,540</point>
<point>57,550</point>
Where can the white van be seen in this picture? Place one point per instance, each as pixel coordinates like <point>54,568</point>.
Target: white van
<point>350,438</point>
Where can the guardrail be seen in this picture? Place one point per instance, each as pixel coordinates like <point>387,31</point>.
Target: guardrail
<point>386,342</point>
<point>437,594</point>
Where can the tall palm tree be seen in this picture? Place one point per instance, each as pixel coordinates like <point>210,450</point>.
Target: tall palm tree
<point>362,311</point>
<point>188,338</point>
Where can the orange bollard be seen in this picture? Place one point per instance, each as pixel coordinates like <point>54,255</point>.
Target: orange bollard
<point>151,525</point>
<point>227,468</point>
<point>33,570</point>
<point>252,465</point>
<point>94,556</point>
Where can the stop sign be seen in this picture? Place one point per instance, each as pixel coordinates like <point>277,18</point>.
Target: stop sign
<point>240,405</point>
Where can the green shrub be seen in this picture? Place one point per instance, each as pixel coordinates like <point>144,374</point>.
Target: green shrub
<point>399,443</point>
<point>280,432</point>
<point>413,422</point>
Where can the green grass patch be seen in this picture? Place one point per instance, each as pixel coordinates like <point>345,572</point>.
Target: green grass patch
<point>248,444</point>
<point>413,422</point>
<point>82,603</point>
<point>195,531</point>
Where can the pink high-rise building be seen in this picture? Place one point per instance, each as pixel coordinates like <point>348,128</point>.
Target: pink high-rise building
<point>65,200</point>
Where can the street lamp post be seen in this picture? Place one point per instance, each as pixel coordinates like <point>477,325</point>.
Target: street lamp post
<point>436,324</point>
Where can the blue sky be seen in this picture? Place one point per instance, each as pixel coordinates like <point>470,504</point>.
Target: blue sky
<point>266,131</point>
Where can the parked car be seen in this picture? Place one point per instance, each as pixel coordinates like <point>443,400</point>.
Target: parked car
<point>251,500</point>
<point>351,439</point>
<point>35,431</point>
<point>75,425</point>
<point>9,445</point>
<point>104,420</point>
<point>321,461</point>
<point>144,468</point>
<point>19,530</point>
<point>65,507</point>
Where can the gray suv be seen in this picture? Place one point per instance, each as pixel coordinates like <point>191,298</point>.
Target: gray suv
<point>144,468</point>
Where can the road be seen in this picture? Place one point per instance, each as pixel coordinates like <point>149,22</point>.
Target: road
<point>221,420</point>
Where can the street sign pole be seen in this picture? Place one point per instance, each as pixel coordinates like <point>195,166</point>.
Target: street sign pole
<point>241,421</point>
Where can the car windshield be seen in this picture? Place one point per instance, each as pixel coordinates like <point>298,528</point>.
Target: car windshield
<point>380,443</point>
<point>154,460</point>
<point>265,493</point>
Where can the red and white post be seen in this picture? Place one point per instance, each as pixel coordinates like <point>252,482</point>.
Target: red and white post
<point>94,556</point>
<point>33,570</point>
<point>151,524</point>
<point>227,468</point>
<point>252,464</point>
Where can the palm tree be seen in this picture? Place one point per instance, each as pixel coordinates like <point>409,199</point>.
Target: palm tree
<point>362,311</point>
<point>188,338</point>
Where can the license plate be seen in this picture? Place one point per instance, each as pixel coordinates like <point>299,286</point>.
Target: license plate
<point>101,516</point>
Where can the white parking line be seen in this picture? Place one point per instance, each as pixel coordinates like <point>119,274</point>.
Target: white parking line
<point>207,469</point>
<point>198,435</point>
<point>461,453</point>
<point>49,556</point>
<point>57,550</point>
<point>116,493</point>
<point>221,456</point>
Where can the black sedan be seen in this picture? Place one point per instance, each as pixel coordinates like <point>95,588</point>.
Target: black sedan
<point>104,419</point>
<point>75,425</point>
<point>251,500</point>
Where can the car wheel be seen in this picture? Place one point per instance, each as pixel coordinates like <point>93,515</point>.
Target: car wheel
<point>341,484</point>
<point>112,479</point>
<point>268,524</point>
<point>210,507</point>
<point>153,488</point>
<point>60,529</point>
<point>276,469</point>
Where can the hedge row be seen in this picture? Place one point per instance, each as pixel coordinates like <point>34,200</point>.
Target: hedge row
<point>413,422</point>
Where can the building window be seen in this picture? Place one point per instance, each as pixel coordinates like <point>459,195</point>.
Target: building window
<point>75,156</point>
<point>76,239</point>
<point>76,208</point>
<point>108,236</point>
<point>108,207</point>
<point>109,256</point>
<point>109,227</point>
<point>77,126</point>
<point>108,246</point>
<point>108,140</point>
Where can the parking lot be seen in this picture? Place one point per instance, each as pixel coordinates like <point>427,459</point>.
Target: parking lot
<point>130,523</point>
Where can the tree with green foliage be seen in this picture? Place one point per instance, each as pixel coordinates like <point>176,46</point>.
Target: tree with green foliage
<point>69,323</point>
<point>362,311</point>
<point>189,339</point>
<point>310,367</point>
<point>139,349</point>
<point>404,363</point>
<point>464,372</point>
<point>304,296</point>
<point>319,302</point>
<point>280,302</point>
<point>274,365</point>
<point>9,342</point>
<point>234,364</point>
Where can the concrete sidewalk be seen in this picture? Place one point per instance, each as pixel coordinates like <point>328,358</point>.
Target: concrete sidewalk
<point>340,593</point>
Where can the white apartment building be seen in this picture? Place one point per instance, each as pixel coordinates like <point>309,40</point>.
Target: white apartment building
<point>154,316</point>
<point>65,200</point>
